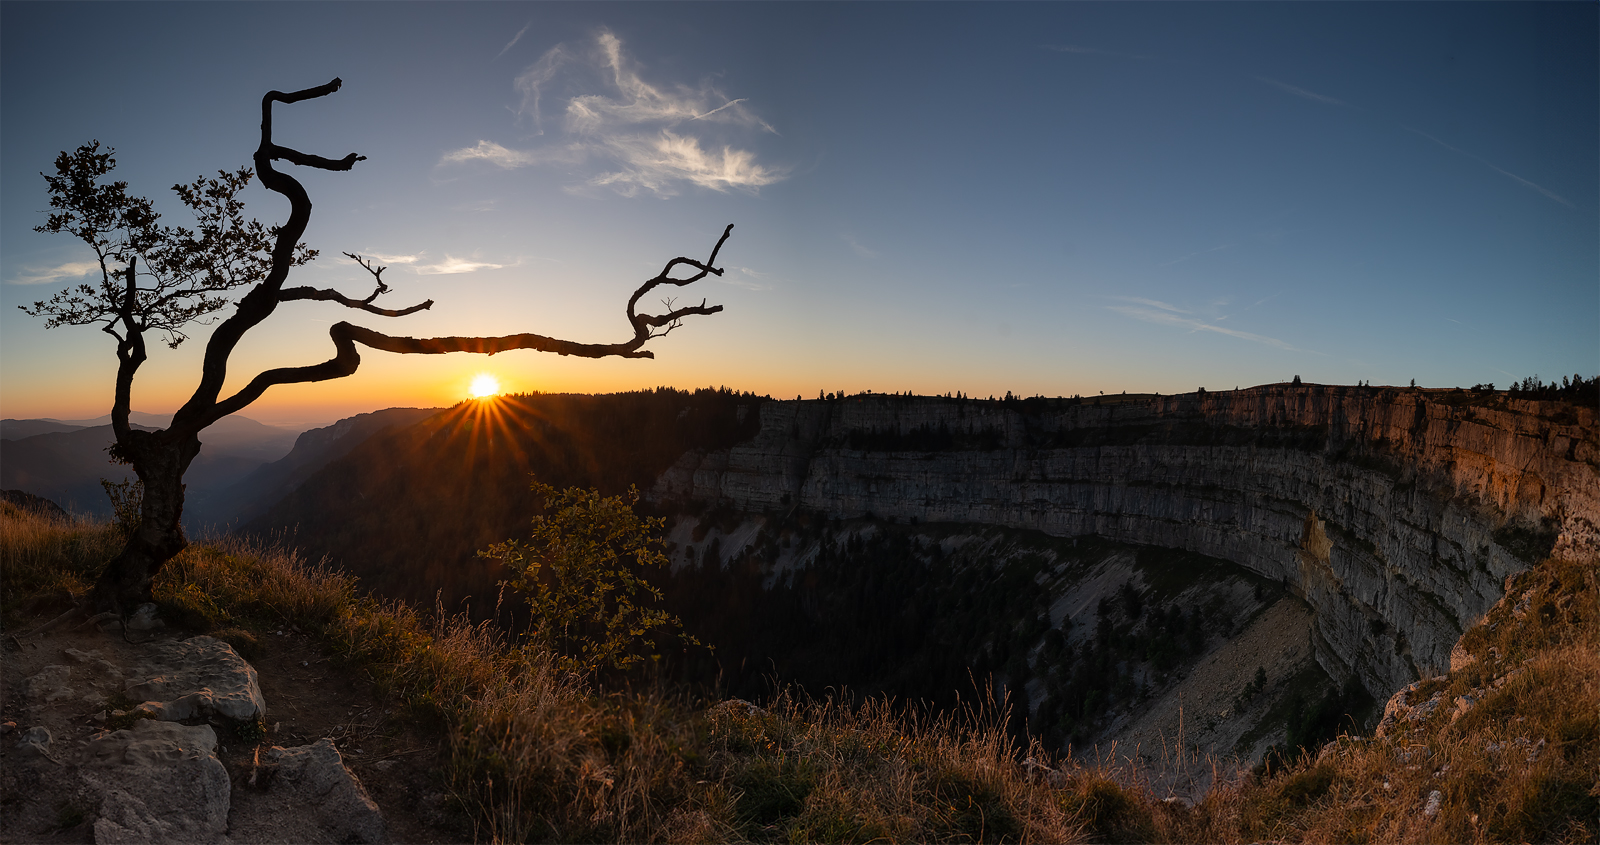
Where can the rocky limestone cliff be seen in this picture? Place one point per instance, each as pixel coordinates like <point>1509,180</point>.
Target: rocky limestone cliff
<point>1397,514</point>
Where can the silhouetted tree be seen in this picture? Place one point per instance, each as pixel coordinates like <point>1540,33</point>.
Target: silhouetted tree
<point>160,279</point>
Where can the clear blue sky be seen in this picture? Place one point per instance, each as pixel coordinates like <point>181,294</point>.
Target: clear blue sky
<point>1041,198</point>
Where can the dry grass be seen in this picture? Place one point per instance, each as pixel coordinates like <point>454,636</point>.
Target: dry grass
<point>48,561</point>
<point>1517,762</point>
<point>543,755</point>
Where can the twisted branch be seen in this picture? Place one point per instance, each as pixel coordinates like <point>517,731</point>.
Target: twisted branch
<point>293,294</point>
<point>345,336</point>
<point>205,408</point>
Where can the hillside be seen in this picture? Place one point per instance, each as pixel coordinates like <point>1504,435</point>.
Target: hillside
<point>1501,748</point>
<point>248,497</point>
<point>408,508</point>
<point>64,460</point>
<point>844,529</point>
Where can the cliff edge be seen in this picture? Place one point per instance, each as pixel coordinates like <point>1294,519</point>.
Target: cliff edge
<point>1397,514</point>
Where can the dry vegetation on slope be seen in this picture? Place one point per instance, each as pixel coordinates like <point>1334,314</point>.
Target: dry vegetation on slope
<point>538,755</point>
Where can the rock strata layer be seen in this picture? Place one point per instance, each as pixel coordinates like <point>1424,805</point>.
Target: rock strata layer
<point>1396,514</point>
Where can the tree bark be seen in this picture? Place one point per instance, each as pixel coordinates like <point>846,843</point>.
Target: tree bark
<point>160,459</point>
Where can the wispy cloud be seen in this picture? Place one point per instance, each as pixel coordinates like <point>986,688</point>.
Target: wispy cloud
<point>476,206</point>
<point>1092,51</point>
<point>451,266</point>
<point>1163,314</point>
<point>388,259</point>
<point>448,267</point>
<point>58,273</point>
<point>655,164</point>
<point>643,137</point>
<point>1301,92</point>
<point>1153,303</point>
<point>1193,255</point>
<point>856,246</point>
<point>514,40</point>
<point>1543,190</point>
<point>744,277</point>
<point>533,79</point>
<point>508,159</point>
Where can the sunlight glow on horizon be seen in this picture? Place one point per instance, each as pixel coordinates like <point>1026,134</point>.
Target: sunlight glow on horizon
<point>484,385</point>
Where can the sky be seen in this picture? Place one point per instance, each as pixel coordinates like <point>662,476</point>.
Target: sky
<point>1050,199</point>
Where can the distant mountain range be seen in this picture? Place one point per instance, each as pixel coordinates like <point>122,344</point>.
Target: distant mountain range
<point>241,462</point>
<point>265,485</point>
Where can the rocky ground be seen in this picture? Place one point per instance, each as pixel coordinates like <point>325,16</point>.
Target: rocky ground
<point>289,747</point>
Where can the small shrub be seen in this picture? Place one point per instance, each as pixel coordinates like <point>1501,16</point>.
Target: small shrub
<point>127,503</point>
<point>1305,786</point>
<point>1108,812</point>
<point>580,572</point>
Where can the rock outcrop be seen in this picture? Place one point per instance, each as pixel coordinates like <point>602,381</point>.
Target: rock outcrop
<point>313,777</point>
<point>157,782</point>
<point>1396,514</point>
<point>200,676</point>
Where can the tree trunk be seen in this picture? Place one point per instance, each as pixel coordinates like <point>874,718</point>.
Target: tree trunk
<point>160,459</point>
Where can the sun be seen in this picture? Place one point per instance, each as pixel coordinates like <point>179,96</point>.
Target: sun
<point>484,385</point>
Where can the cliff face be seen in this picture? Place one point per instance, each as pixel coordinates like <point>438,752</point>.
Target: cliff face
<point>1396,514</point>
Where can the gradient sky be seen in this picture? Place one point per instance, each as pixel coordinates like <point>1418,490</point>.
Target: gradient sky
<point>1044,198</point>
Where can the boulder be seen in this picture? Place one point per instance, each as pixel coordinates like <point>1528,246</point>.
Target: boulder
<point>157,782</point>
<point>50,684</point>
<point>198,677</point>
<point>35,742</point>
<point>314,776</point>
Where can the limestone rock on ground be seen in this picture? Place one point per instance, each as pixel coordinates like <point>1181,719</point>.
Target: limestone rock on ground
<point>313,777</point>
<point>197,677</point>
<point>64,777</point>
<point>157,782</point>
<point>35,742</point>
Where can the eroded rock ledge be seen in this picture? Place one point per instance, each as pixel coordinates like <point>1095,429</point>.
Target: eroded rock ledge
<point>1397,514</point>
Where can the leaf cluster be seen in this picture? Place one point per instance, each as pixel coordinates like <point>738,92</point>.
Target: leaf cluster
<point>153,277</point>
<point>580,572</point>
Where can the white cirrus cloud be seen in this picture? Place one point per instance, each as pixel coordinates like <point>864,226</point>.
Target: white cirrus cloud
<point>744,277</point>
<point>857,247</point>
<point>1173,317</point>
<point>1492,166</point>
<point>1300,92</point>
<point>451,266</point>
<point>514,40</point>
<point>389,259</point>
<point>509,159</point>
<point>1153,303</point>
<point>58,273</point>
<point>642,137</point>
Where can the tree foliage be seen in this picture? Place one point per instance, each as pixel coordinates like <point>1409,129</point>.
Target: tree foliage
<point>580,572</point>
<point>184,275</point>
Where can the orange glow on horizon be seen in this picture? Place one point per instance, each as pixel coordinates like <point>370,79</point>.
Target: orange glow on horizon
<point>484,385</point>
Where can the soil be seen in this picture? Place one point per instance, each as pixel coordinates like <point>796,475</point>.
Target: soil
<point>309,696</point>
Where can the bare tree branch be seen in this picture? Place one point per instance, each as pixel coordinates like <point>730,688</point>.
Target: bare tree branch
<point>377,274</point>
<point>347,359</point>
<point>293,294</point>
